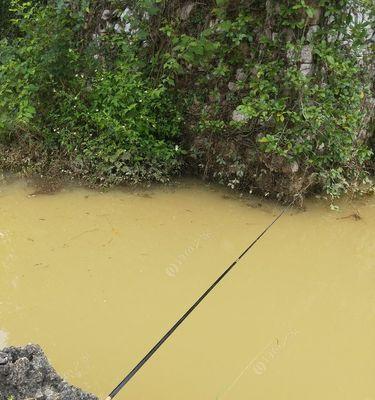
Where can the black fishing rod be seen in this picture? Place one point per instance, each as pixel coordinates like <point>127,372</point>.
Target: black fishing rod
<point>141,363</point>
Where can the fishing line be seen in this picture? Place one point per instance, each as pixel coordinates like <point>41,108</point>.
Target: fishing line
<point>141,363</point>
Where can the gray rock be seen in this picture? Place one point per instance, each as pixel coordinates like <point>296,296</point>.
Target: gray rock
<point>25,373</point>
<point>106,15</point>
<point>239,117</point>
<point>3,358</point>
<point>240,74</point>
<point>306,69</point>
<point>312,30</point>
<point>292,168</point>
<point>306,54</point>
<point>186,10</point>
<point>306,60</point>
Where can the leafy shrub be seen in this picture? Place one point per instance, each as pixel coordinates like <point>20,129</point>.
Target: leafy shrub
<point>120,127</point>
<point>321,131</point>
<point>34,66</point>
<point>113,122</point>
<point>301,126</point>
<point>111,94</point>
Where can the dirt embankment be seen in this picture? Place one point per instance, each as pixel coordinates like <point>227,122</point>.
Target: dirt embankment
<point>25,373</point>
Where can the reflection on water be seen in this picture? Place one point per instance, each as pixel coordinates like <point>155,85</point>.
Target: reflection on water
<point>97,278</point>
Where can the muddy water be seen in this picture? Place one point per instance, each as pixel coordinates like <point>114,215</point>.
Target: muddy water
<point>97,278</point>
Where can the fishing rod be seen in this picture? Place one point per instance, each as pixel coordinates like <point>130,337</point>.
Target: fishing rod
<point>143,361</point>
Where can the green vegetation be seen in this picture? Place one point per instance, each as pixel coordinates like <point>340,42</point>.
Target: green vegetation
<point>268,96</point>
<point>111,120</point>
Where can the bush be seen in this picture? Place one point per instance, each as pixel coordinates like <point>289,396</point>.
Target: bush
<point>287,86</point>
<point>275,95</point>
<point>120,128</point>
<point>111,120</point>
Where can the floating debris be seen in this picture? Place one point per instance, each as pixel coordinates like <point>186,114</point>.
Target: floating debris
<point>356,216</point>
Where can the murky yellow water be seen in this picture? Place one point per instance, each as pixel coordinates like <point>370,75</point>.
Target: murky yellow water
<point>97,278</point>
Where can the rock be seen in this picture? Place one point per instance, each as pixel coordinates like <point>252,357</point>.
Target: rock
<point>232,86</point>
<point>239,117</point>
<point>306,60</point>
<point>186,10</point>
<point>25,373</point>
<point>3,358</point>
<point>311,32</point>
<point>50,394</point>
<point>39,395</point>
<point>117,28</point>
<point>240,74</point>
<point>306,69</point>
<point>306,54</point>
<point>106,15</point>
<point>291,168</point>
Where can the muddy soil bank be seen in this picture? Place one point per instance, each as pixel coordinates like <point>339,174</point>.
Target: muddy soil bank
<point>25,373</point>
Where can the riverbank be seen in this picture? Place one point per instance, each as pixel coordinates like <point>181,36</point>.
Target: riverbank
<point>260,97</point>
<point>25,373</point>
<point>49,171</point>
